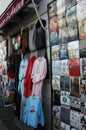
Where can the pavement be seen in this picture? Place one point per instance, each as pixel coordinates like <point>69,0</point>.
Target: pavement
<point>7,119</point>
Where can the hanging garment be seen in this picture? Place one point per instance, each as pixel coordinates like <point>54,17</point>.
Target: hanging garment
<point>40,39</point>
<point>28,81</point>
<point>38,75</point>
<point>33,114</point>
<point>32,38</point>
<point>22,73</point>
<point>25,40</point>
<point>17,100</point>
<point>17,63</point>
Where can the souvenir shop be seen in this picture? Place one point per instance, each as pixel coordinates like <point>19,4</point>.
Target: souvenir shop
<point>43,66</point>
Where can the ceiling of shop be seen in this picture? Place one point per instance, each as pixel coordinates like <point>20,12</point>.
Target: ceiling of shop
<point>25,13</point>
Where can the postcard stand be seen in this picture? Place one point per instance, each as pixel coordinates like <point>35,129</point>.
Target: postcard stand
<point>67,34</point>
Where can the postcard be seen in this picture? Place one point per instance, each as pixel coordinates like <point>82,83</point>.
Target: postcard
<point>64,67</point>
<point>56,112</point>
<point>73,31</point>
<point>71,14</point>
<point>53,23</point>
<point>66,112</point>
<point>81,9</point>
<point>82,47</point>
<point>75,119</point>
<point>62,20</point>
<point>60,6</point>
<point>55,52</point>
<point>63,35</point>
<point>63,51</point>
<point>54,38</point>
<point>64,126</point>
<point>82,29</point>
<point>83,67</point>
<point>56,69</point>
<point>74,86</point>
<point>65,98</point>
<point>74,67</point>
<point>75,102</point>
<point>52,9</point>
<point>82,86</point>
<point>56,82</point>
<point>73,49</point>
<point>70,3</point>
<point>65,83</point>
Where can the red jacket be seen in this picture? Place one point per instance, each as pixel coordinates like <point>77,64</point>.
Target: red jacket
<point>28,81</point>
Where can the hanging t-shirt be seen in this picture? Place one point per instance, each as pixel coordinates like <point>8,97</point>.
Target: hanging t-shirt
<point>33,114</point>
<point>38,75</point>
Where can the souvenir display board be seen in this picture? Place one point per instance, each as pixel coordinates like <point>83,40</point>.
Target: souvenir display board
<point>67,34</point>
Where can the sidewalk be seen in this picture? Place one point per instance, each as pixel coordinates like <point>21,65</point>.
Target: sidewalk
<point>7,119</point>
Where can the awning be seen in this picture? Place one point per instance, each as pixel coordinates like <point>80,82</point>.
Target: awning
<point>15,7</point>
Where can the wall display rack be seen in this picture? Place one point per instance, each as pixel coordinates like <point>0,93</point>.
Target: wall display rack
<point>67,34</point>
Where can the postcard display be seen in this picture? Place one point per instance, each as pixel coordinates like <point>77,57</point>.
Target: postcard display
<point>67,31</point>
